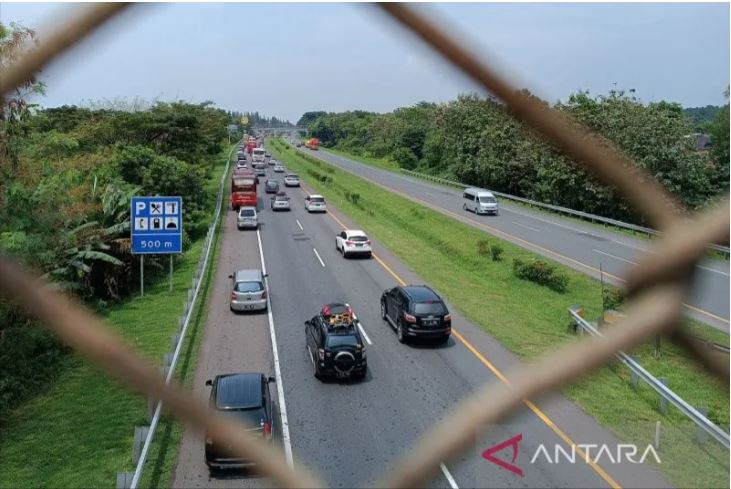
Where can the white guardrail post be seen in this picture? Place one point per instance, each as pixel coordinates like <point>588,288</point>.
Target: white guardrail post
<point>556,208</point>
<point>667,395</point>
<point>128,480</point>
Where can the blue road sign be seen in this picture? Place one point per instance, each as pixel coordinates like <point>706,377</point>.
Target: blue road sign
<point>157,225</point>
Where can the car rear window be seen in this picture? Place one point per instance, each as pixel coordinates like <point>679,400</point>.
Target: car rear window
<point>271,183</point>
<point>334,341</point>
<point>292,176</point>
<point>253,417</point>
<point>248,212</point>
<point>317,199</point>
<point>429,308</point>
<point>360,239</point>
<point>248,287</point>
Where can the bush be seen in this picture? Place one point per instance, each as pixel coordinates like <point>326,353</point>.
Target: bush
<point>612,299</point>
<point>483,247</point>
<point>496,252</point>
<point>405,158</point>
<point>541,272</point>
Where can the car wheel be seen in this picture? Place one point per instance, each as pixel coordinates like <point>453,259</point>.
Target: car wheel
<point>360,375</point>
<point>345,255</point>
<point>336,246</point>
<point>383,310</point>
<point>315,370</point>
<point>400,333</point>
<point>464,207</point>
<point>443,340</point>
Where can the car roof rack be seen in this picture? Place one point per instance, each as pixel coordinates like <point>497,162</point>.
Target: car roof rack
<point>338,315</point>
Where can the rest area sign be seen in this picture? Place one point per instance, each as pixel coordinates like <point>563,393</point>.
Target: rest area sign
<point>156,225</point>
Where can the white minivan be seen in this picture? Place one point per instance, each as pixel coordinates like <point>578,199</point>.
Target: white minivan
<point>480,201</point>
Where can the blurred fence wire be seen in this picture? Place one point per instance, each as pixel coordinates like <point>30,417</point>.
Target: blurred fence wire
<point>657,286</point>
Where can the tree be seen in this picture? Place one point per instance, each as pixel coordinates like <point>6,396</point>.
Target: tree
<point>719,130</point>
<point>15,107</point>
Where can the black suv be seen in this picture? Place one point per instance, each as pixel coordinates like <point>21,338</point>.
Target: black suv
<point>244,397</point>
<point>335,344</point>
<point>416,311</point>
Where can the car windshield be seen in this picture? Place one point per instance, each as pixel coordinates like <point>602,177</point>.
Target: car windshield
<point>282,198</point>
<point>247,212</point>
<point>248,287</point>
<point>360,239</point>
<point>254,417</point>
<point>429,308</point>
<point>488,200</point>
<point>334,341</point>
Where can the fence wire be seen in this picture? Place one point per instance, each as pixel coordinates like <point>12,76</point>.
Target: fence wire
<point>657,285</point>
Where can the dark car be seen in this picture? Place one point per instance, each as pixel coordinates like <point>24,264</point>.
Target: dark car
<point>271,186</point>
<point>416,311</point>
<point>334,343</point>
<point>244,397</point>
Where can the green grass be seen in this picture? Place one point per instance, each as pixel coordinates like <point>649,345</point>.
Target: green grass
<point>390,165</point>
<point>530,319</point>
<point>80,432</point>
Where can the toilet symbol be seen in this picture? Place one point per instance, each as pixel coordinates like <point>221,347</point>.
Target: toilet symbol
<point>156,223</point>
<point>171,223</point>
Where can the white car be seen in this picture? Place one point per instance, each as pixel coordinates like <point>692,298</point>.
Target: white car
<point>241,164</point>
<point>291,180</point>
<point>278,169</point>
<point>353,242</point>
<point>315,203</point>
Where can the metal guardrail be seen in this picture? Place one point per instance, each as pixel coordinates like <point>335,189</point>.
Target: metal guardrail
<point>692,413</point>
<point>179,339</point>
<point>556,208</point>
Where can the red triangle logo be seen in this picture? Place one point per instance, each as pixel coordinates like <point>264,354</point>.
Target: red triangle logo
<point>510,442</point>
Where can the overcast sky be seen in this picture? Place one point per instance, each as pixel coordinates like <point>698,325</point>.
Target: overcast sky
<point>285,59</point>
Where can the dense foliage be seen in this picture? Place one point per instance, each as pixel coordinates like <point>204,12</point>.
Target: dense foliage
<point>476,141</point>
<point>66,178</point>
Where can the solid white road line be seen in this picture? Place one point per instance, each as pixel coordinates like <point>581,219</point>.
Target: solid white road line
<point>300,225</point>
<point>450,479</point>
<point>362,331</point>
<point>527,227</point>
<point>318,257</point>
<point>613,256</point>
<point>277,371</point>
<point>713,270</point>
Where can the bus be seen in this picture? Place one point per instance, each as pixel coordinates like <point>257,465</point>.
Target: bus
<point>258,155</point>
<point>243,190</point>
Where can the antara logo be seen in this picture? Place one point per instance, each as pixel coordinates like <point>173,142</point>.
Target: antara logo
<point>588,452</point>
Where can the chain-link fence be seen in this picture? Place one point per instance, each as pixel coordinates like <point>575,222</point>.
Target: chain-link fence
<point>657,286</point>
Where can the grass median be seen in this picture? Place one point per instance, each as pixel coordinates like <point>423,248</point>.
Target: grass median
<point>530,319</point>
<point>80,432</point>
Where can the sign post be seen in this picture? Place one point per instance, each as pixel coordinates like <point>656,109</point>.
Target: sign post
<point>157,228</point>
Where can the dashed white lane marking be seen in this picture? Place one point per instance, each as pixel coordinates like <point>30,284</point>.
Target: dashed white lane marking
<point>318,257</point>
<point>450,479</point>
<point>300,225</point>
<point>527,227</point>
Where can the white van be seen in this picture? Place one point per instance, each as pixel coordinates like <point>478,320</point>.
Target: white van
<point>480,201</point>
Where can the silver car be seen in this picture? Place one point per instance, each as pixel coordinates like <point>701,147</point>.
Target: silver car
<point>280,202</point>
<point>248,292</point>
<point>278,169</point>
<point>291,180</point>
<point>247,218</point>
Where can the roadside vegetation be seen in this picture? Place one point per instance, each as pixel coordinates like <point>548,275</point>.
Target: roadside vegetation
<point>476,141</point>
<point>530,318</point>
<point>66,178</point>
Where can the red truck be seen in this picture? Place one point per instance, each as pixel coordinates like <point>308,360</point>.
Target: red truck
<point>313,143</point>
<point>243,189</point>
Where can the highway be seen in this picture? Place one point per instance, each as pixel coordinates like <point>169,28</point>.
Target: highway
<point>581,246</point>
<point>350,432</point>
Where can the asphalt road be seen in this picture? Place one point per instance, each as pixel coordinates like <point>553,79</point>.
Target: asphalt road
<point>584,247</point>
<point>349,433</point>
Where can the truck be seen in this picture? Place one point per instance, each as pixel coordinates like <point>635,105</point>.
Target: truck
<point>312,143</point>
<point>258,155</point>
<point>243,189</point>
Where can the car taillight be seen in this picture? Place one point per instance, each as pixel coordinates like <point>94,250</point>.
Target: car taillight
<point>233,296</point>
<point>409,318</point>
<point>267,431</point>
<point>209,440</point>
<point>368,242</point>
<point>448,317</point>
<point>321,354</point>
<point>349,243</point>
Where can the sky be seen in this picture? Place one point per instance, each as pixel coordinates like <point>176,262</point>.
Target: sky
<point>284,59</point>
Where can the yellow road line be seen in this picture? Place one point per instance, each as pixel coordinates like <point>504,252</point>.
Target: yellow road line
<point>513,237</point>
<point>541,415</point>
